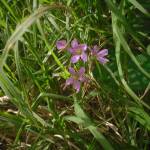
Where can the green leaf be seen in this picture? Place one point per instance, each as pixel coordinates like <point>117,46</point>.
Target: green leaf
<point>22,28</point>
<point>118,14</point>
<point>141,116</point>
<point>148,49</point>
<point>100,138</point>
<point>16,120</point>
<point>53,22</point>
<point>139,7</point>
<point>81,118</point>
<point>80,113</point>
<point>39,119</point>
<point>128,50</point>
<point>75,119</point>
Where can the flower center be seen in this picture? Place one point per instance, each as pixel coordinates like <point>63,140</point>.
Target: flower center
<point>79,52</point>
<point>76,77</point>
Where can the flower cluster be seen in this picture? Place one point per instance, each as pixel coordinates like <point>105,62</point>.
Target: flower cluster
<point>80,52</point>
<point>77,77</point>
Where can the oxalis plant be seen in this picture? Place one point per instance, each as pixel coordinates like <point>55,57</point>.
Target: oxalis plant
<point>78,76</point>
<point>80,52</point>
<point>74,75</point>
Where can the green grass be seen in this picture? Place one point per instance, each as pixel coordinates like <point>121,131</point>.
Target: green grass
<point>110,112</point>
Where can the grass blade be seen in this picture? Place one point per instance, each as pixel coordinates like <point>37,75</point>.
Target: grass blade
<point>22,28</point>
<point>139,7</point>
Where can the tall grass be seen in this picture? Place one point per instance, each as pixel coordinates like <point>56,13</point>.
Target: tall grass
<point>110,112</point>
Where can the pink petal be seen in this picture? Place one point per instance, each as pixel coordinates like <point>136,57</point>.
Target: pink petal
<point>82,79</point>
<point>103,52</point>
<point>73,51</point>
<point>81,71</point>
<point>69,81</point>
<point>96,47</point>
<point>61,44</point>
<point>94,50</point>
<point>84,57</point>
<point>103,60</point>
<point>75,58</point>
<point>76,86</point>
<point>81,74</point>
<point>72,71</point>
<point>74,43</point>
<point>83,47</point>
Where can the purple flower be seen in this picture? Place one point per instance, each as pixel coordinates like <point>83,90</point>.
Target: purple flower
<point>61,44</point>
<point>78,51</point>
<point>100,54</point>
<point>77,77</point>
